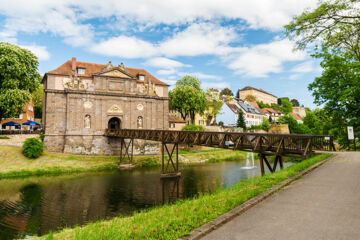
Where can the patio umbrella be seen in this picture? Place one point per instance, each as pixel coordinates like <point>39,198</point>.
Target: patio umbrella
<point>11,123</point>
<point>31,123</point>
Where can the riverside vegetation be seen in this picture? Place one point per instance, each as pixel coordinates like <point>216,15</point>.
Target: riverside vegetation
<point>179,219</point>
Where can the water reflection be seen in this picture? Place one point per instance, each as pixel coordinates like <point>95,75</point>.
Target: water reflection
<point>35,206</point>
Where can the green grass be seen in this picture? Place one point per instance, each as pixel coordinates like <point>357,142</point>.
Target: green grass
<point>4,137</point>
<point>179,219</point>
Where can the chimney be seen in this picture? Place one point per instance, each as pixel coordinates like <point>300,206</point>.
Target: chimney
<point>73,64</point>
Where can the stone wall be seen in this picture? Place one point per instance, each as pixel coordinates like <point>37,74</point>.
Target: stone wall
<point>16,140</point>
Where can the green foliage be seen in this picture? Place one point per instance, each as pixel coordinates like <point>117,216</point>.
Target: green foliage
<point>42,137</point>
<point>226,92</point>
<point>187,98</point>
<point>295,102</point>
<point>37,97</point>
<point>18,79</point>
<point>147,163</point>
<point>265,125</point>
<point>286,106</point>
<point>192,127</point>
<point>294,126</point>
<point>221,123</point>
<point>32,148</point>
<point>241,121</point>
<point>213,105</point>
<point>4,137</point>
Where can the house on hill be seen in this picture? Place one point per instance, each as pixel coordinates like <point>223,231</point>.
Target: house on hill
<point>25,116</point>
<point>297,117</point>
<point>274,114</point>
<point>259,94</point>
<point>230,111</point>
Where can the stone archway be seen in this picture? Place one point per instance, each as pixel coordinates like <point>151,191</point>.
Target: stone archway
<point>114,123</point>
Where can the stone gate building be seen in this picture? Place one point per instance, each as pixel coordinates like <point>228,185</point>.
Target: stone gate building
<point>83,99</point>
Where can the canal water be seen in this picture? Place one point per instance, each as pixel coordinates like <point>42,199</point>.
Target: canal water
<point>37,205</point>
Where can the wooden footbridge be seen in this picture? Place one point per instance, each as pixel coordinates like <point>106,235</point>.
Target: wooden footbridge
<point>277,145</point>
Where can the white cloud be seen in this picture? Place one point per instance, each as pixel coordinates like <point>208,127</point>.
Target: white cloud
<point>304,67</point>
<point>162,62</point>
<point>127,47</point>
<point>295,76</point>
<point>260,60</point>
<point>166,71</point>
<point>201,75</point>
<point>206,85</point>
<point>39,51</point>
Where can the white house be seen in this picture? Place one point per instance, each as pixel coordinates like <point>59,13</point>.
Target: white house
<point>230,110</point>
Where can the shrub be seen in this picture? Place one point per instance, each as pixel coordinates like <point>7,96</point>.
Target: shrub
<point>193,127</point>
<point>42,136</point>
<point>32,148</point>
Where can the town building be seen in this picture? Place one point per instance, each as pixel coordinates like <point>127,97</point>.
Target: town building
<point>230,111</point>
<point>274,114</point>
<point>176,123</point>
<point>259,94</point>
<point>297,117</point>
<point>82,100</point>
<point>301,111</point>
<point>25,116</point>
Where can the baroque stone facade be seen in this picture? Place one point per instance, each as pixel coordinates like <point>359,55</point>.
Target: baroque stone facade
<point>82,99</point>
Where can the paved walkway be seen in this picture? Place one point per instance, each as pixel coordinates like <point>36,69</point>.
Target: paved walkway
<point>325,204</point>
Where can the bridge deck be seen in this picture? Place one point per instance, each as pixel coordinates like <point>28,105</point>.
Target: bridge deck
<point>274,144</point>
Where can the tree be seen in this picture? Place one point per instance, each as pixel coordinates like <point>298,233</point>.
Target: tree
<point>213,105</point>
<point>295,102</point>
<point>250,98</point>
<point>188,99</point>
<point>241,121</point>
<point>265,125</point>
<point>286,106</point>
<point>37,98</point>
<point>19,77</point>
<point>226,92</point>
<point>221,124</point>
<point>334,23</point>
<point>294,126</point>
<point>313,123</point>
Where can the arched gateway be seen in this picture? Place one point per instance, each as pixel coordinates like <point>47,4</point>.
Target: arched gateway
<point>114,123</point>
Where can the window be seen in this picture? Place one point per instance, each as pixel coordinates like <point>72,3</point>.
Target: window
<point>142,77</point>
<point>30,108</point>
<point>172,125</point>
<point>201,122</point>
<point>81,70</point>
<point>20,117</point>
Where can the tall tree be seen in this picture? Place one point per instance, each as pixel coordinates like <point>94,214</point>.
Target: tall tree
<point>241,121</point>
<point>295,102</point>
<point>19,77</point>
<point>187,98</point>
<point>37,97</point>
<point>286,106</point>
<point>226,92</point>
<point>213,105</point>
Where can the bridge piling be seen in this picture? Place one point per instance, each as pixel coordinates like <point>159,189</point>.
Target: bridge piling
<point>174,168</point>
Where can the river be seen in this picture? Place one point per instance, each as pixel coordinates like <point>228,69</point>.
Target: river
<point>37,205</point>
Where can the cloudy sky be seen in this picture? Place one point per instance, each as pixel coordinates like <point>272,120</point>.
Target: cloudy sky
<point>225,43</point>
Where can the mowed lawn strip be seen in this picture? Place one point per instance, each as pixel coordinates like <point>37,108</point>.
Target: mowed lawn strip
<point>179,219</point>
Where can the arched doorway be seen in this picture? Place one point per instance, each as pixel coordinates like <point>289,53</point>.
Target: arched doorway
<point>114,123</point>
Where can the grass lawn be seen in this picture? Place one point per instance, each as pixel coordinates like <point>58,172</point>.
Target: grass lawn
<point>179,219</point>
<point>14,164</point>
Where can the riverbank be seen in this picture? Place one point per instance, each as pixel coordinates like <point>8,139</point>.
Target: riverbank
<point>179,219</point>
<point>14,164</point>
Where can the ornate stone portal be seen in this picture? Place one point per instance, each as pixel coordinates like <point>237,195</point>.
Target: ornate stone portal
<point>76,116</point>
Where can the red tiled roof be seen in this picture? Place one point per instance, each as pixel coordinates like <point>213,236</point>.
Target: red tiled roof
<point>270,110</point>
<point>93,68</point>
<point>255,105</point>
<point>175,119</point>
<point>260,90</point>
<point>297,117</point>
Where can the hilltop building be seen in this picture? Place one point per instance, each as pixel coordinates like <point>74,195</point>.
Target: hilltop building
<point>301,111</point>
<point>259,94</point>
<point>82,99</point>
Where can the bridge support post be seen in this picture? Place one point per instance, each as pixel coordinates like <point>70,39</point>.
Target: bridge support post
<point>263,159</point>
<point>174,166</point>
<point>170,189</point>
<point>126,147</point>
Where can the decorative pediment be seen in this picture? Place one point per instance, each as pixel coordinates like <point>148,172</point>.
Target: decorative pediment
<point>115,73</point>
<point>115,109</point>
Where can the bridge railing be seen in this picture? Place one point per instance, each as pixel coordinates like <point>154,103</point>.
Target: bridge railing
<point>280,144</point>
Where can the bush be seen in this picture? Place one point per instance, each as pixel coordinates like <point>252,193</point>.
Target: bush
<point>193,127</point>
<point>32,148</point>
<point>42,136</point>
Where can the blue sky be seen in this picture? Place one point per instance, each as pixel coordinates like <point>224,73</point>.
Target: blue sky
<point>225,43</point>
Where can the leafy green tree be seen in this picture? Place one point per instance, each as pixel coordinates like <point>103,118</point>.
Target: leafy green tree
<point>37,97</point>
<point>334,23</point>
<point>226,92</point>
<point>250,98</point>
<point>313,123</point>
<point>286,106</point>
<point>188,99</point>
<point>221,124</point>
<point>189,81</point>
<point>295,102</point>
<point>19,77</point>
<point>241,121</point>
<point>213,105</point>
<point>294,126</point>
<point>192,127</point>
<point>265,125</point>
